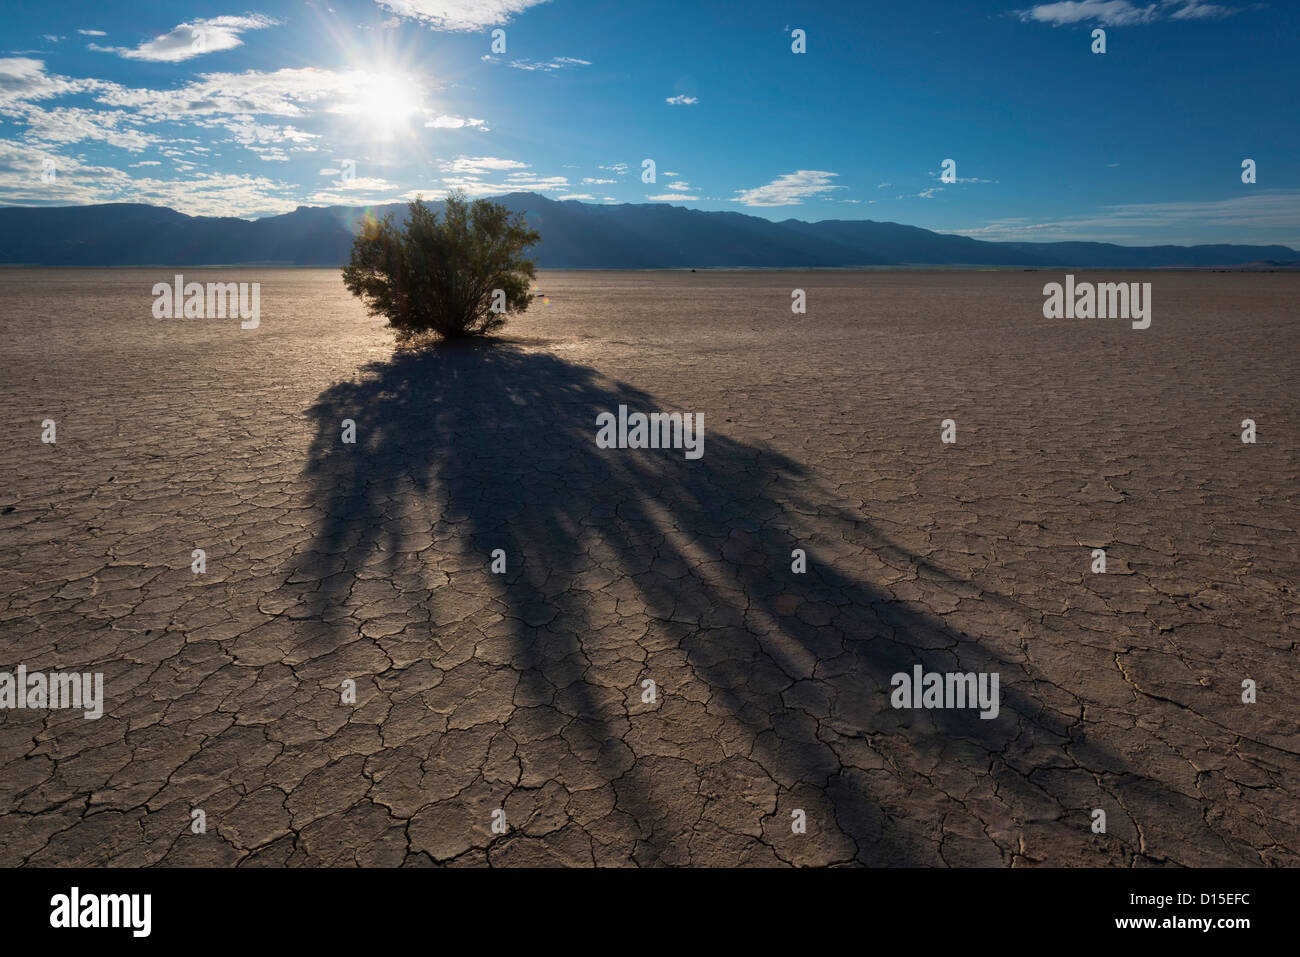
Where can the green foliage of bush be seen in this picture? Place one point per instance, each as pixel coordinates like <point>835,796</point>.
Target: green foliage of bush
<point>440,275</point>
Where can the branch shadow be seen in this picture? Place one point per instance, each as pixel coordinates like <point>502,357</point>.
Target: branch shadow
<point>772,688</point>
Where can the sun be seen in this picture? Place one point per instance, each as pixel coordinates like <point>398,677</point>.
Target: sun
<point>386,103</point>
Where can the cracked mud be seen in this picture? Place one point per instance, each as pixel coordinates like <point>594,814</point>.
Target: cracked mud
<point>522,691</point>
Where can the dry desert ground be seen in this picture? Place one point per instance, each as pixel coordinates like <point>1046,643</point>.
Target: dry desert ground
<point>527,692</point>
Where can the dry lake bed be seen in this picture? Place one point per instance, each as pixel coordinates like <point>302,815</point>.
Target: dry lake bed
<point>471,636</point>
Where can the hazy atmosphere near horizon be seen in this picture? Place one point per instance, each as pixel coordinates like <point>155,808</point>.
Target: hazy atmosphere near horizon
<point>549,433</point>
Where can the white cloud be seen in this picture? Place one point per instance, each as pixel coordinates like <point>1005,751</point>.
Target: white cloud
<point>1111,13</point>
<point>670,198</point>
<point>575,196</point>
<point>329,198</point>
<point>480,164</point>
<point>469,177</point>
<point>221,108</point>
<point>78,183</point>
<point>543,184</point>
<point>587,180</point>
<point>958,179</point>
<point>228,101</point>
<point>246,132</point>
<point>1195,10</point>
<point>71,125</point>
<point>217,194</point>
<point>470,186</point>
<point>281,93</point>
<point>74,183</point>
<point>459,15</point>
<point>448,122</point>
<point>92,33</point>
<point>1279,207</point>
<point>1122,13</point>
<point>362,183</point>
<point>682,100</point>
<point>23,79</point>
<point>1274,213</point>
<point>193,39</point>
<point>294,92</point>
<point>788,190</point>
<point>681,187</point>
<point>549,66</point>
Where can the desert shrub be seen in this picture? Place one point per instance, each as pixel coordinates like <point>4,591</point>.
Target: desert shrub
<point>450,276</point>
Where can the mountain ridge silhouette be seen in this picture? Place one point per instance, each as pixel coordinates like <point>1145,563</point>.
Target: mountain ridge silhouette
<point>575,235</point>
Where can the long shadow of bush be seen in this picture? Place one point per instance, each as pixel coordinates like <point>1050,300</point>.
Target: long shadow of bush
<point>622,566</point>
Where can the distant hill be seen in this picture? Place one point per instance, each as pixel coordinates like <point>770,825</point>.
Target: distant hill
<point>575,235</point>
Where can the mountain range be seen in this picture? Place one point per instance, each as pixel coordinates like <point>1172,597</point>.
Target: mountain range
<point>575,235</point>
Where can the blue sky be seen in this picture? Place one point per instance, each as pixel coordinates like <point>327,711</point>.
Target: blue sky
<point>217,109</point>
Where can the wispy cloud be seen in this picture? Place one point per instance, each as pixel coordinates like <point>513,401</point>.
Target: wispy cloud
<point>289,92</point>
<point>531,181</point>
<point>1278,207</point>
<point>545,66</point>
<point>479,165</point>
<point>80,183</point>
<point>1273,213</point>
<point>1122,13</point>
<point>24,80</point>
<point>1195,10</point>
<point>73,125</point>
<point>682,100</point>
<point>192,39</point>
<point>788,190</point>
<point>958,179</point>
<point>327,198</point>
<point>467,173</point>
<point>459,15</point>
<point>358,191</point>
<point>447,122</point>
<point>477,186</point>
